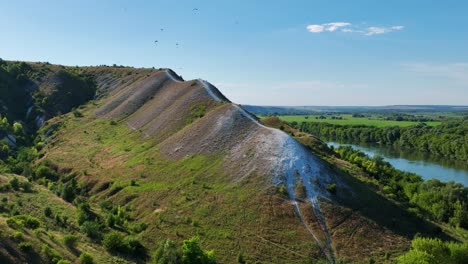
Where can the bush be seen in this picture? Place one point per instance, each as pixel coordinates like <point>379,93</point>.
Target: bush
<point>240,259</point>
<point>138,228</point>
<point>48,212</point>
<point>282,190</point>
<point>116,242</point>
<point>91,229</point>
<point>12,223</point>
<point>113,242</point>
<point>331,188</point>
<point>77,113</point>
<point>428,250</point>
<point>63,261</point>
<point>27,186</point>
<point>70,240</point>
<point>86,258</point>
<point>51,254</point>
<point>25,246</point>
<point>15,184</point>
<point>167,253</point>
<point>192,253</point>
<point>44,172</point>
<point>27,221</point>
<point>32,222</point>
<point>17,236</point>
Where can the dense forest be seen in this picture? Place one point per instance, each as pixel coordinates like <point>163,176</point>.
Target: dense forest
<point>440,201</point>
<point>450,139</point>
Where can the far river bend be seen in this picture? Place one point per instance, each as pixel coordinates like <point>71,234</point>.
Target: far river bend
<point>426,165</point>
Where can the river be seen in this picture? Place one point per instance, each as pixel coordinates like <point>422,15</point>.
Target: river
<point>424,164</point>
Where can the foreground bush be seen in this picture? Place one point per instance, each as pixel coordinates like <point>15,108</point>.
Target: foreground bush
<point>428,250</point>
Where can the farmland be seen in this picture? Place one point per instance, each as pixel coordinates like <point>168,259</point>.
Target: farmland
<point>348,119</point>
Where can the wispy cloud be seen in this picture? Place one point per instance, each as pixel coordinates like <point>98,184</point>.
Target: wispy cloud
<point>454,71</point>
<point>330,27</point>
<point>350,28</point>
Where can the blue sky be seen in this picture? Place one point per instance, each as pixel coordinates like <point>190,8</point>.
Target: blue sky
<point>302,52</point>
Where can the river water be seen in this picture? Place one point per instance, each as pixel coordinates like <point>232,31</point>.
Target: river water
<point>426,165</point>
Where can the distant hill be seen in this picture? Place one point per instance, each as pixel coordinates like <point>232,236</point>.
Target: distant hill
<point>305,110</point>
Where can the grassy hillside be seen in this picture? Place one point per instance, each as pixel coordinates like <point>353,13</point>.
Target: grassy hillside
<point>37,226</point>
<point>177,199</point>
<point>156,165</point>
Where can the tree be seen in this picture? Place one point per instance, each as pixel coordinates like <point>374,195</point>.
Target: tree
<point>91,229</point>
<point>167,253</point>
<point>114,242</point>
<point>459,218</point>
<point>86,258</point>
<point>18,129</point>
<point>68,192</point>
<point>70,240</point>
<point>15,184</point>
<point>48,212</point>
<point>193,254</point>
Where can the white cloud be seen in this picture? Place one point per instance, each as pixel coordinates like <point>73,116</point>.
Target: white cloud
<point>350,28</point>
<point>315,28</point>
<point>330,27</point>
<point>381,30</point>
<point>398,27</point>
<point>335,25</point>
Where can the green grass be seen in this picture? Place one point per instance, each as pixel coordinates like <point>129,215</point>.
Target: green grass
<point>350,120</point>
<point>177,199</point>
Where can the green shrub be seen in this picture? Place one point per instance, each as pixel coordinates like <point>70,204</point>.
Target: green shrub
<point>27,186</point>
<point>15,184</point>
<point>110,221</point>
<point>77,113</point>
<point>282,190</point>
<point>192,253</point>
<point>63,261</point>
<point>113,242</point>
<point>86,258</point>
<point>91,229</point>
<point>116,242</point>
<point>331,188</point>
<point>138,228</point>
<point>70,240</point>
<point>12,223</point>
<point>240,258</point>
<point>428,250</point>
<point>167,253</point>
<point>48,212</point>
<point>51,254</point>
<point>17,236</point>
<point>32,222</point>
<point>25,246</point>
<point>44,172</point>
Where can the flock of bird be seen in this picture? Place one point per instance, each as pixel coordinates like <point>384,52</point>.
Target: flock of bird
<point>156,42</point>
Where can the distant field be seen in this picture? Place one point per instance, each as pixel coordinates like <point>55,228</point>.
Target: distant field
<point>350,120</point>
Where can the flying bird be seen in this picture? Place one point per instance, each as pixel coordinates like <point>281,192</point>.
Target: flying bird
<point>195,9</point>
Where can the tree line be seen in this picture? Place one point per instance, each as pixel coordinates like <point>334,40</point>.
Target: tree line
<point>450,139</point>
<point>440,201</point>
